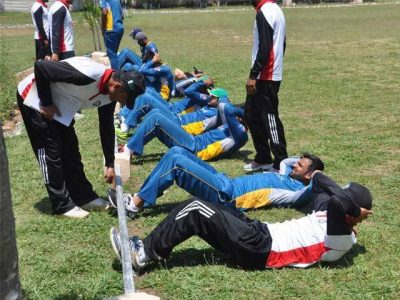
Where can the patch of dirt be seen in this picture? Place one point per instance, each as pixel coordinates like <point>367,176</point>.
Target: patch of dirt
<point>13,126</point>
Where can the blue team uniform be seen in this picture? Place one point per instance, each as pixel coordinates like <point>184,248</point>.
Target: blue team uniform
<point>203,181</point>
<point>159,78</point>
<point>221,141</point>
<point>194,123</point>
<point>114,29</point>
<point>148,51</point>
<point>128,58</point>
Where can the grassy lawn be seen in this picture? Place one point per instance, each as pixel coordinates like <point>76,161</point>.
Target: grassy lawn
<point>339,99</point>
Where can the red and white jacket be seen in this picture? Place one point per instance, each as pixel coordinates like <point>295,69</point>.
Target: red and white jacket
<point>269,41</point>
<point>303,242</point>
<point>39,12</point>
<point>61,31</point>
<point>73,84</point>
<point>323,235</point>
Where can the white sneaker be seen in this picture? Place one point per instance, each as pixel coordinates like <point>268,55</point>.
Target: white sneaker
<point>75,213</point>
<point>138,255</point>
<point>254,167</point>
<point>97,204</point>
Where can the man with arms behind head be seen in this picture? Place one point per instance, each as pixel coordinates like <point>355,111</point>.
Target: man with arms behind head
<point>290,187</point>
<point>324,235</point>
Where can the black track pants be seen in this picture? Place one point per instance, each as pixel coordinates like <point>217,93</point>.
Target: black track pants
<point>230,232</point>
<point>56,149</point>
<point>261,114</point>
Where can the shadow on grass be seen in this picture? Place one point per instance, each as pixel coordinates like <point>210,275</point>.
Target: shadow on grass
<point>208,257</point>
<point>151,210</point>
<point>44,206</point>
<point>153,157</point>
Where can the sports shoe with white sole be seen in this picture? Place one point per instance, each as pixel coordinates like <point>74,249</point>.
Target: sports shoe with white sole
<point>131,210</point>
<point>75,213</point>
<point>255,167</point>
<point>135,246</point>
<point>97,204</point>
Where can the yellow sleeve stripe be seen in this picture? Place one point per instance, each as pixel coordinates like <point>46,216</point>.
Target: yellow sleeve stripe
<point>109,25</point>
<point>212,150</point>
<point>254,199</point>
<point>194,128</point>
<point>164,92</point>
<point>188,110</point>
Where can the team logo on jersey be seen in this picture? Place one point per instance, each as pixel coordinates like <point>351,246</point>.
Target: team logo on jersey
<point>97,103</point>
<point>203,96</point>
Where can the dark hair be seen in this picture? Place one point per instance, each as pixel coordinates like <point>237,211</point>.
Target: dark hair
<point>316,162</point>
<point>132,82</point>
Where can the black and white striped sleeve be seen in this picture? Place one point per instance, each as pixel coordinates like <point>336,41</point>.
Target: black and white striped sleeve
<point>38,15</point>
<point>265,43</point>
<point>60,71</point>
<point>57,25</point>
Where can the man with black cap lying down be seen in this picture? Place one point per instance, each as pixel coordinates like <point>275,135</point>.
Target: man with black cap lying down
<point>48,100</point>
<point>324,235</point>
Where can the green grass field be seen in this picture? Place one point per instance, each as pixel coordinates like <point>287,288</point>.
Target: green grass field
<point>339,99</point>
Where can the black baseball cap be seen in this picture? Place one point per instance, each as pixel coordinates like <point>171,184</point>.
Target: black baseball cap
<point>135,31</point>
<point>359,194</point>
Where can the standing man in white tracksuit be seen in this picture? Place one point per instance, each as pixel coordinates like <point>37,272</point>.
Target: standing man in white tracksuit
<point>262,87</point>
<point>39,12</point>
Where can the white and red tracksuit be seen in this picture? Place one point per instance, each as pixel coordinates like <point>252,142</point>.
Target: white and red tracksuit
<point>61,31</point>
<point>261,109</point>
<point>39,12</point>
<point>320,236</point>
<point>70,84</point>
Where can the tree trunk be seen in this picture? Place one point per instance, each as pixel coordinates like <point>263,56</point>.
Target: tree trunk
<point>9,278</point>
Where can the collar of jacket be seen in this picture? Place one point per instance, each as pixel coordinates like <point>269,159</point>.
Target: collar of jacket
<point>105,78</point>
<point>262,2</point>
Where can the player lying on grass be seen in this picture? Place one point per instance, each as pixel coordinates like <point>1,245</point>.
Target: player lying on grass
<point>290,187</point>
<point>324,235</point>
<point>224,140</point>
<point>185,111</point>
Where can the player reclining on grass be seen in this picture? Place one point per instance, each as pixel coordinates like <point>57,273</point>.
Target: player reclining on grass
<point>290,187</point>
<point>147,49</point>
<point>197,97</point>
<point>158,76</point>
<point>221,141</point>
<point>324,235</point>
